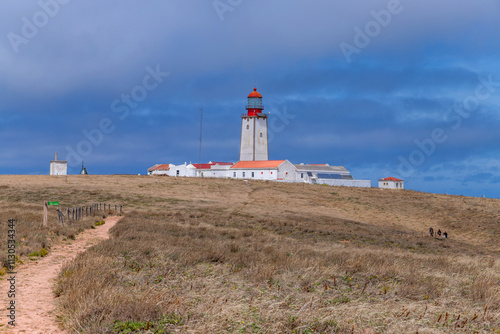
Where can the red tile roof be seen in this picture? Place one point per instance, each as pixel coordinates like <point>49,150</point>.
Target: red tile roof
<point>390,178</point>
<point>202,166</point>
<point>152,168</point>
<point>159,167</point>
<point>258,164</point>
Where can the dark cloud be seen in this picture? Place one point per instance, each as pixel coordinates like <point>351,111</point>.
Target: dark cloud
<point>367,113</point>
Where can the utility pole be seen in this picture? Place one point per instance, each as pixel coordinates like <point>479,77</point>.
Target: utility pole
<point>201,135</point>
<point>201,130</point>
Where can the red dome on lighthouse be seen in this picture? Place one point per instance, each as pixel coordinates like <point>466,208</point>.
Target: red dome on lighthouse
<point>255,93</point>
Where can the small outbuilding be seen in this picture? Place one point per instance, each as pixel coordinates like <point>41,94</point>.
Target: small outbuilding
<point>159,169</point>
<point>58,167</point>
<point>391,183</point>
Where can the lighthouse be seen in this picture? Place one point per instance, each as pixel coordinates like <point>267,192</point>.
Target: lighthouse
<point>254,144</point>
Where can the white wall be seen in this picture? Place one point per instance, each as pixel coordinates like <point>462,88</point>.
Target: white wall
<point>307,178</point>
<point>58,168</point>
<point>246,144</point>
<point>181,170</point>
<point>345,183</point>
<point>261,147</point>
<point>391,184</point>
<point>302,176</point>
<point>218,171</point>
<point>252,145</point>
<point>258,174</point>
<point>287,172</point>
<point>159,172</point>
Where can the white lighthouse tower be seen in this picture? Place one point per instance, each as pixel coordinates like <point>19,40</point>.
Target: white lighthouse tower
<point>254,144</point>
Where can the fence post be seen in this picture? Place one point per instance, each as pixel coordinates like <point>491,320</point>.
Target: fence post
<point>67,213</point>
<point>60,216</point>
<point>121,206</point>
<point>73,214</point>
<point>45,213</point>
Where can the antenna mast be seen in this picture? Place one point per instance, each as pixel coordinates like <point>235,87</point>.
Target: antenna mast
<point>201,133</point>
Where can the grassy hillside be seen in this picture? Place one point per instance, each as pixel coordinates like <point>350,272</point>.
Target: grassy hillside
<point>222,256</point>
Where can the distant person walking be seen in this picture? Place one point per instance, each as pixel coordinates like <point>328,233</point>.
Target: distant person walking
<point>445,235</point>
<point>439,233</point>
<point>431,232</point>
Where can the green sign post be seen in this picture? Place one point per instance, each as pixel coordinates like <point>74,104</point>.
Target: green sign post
<point>53,203</point>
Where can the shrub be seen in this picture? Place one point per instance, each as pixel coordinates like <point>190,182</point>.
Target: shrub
<point>99,223</point>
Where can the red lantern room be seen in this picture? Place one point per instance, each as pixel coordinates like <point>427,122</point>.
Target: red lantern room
<point>255,106</point>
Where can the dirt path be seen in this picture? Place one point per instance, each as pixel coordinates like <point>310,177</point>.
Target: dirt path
<point>35,302</point>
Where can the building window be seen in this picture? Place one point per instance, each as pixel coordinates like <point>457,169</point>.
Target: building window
<point>301,175</point>
<point>177,172</point>
<point>234,174</point>
<point>253,174</point>
<point>243,174</point>
<point>248,126</point>
<point>261,135</point>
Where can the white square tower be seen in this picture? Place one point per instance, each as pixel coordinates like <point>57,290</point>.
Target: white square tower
<point>58,167</point>
<point>254,145</point>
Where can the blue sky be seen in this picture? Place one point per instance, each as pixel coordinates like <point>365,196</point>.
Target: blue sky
<point>388,88</point>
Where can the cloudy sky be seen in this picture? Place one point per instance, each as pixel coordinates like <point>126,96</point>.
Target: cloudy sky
<point>405,88</point>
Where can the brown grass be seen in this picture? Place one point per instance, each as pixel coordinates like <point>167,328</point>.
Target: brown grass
<point>225,257</point>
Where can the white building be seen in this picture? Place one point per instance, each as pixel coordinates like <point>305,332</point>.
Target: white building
<point>214,169</point>
<point>58,167</point>
<point>211,169</point>
<point>391,183</point>
<point>274,170</point>
<point>309,172</point>
<point>159,169</point>
<point>330,175</point>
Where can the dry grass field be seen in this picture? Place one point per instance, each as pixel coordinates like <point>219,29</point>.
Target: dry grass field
<point>223,256</point>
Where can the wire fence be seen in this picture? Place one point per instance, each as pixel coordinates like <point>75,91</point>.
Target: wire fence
<point>65,216</point>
